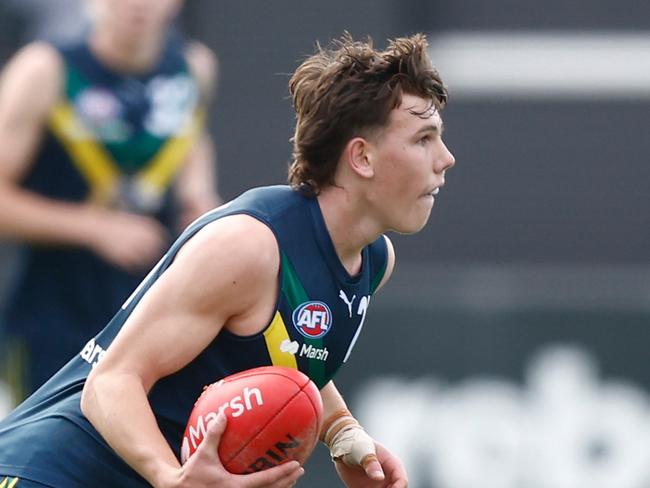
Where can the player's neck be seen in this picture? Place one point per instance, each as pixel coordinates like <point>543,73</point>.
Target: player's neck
<point>126,55</point>
<point>349,229</point>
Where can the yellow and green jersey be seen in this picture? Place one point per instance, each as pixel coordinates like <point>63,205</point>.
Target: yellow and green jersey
<point>118,141</point>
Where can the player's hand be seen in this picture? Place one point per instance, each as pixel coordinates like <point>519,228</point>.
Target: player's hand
<point>387,472</point>
<point>129,241</point>
<point>204,469</point>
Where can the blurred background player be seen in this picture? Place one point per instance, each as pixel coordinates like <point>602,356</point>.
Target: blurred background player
<point>103,157</point>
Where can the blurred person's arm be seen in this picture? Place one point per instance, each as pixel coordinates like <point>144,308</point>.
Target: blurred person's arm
<point>30,86</point>
<point>196,186</point>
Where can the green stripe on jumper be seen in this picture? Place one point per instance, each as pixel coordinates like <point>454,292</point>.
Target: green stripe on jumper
<point>296,295</point>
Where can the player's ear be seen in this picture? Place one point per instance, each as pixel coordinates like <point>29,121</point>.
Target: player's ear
<point>358,157</point>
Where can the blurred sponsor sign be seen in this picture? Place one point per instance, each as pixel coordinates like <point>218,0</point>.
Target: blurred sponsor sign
<point>564,427</point>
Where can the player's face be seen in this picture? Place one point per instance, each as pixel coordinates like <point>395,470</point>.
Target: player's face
<point>133,18</point>
<point>409,160</point>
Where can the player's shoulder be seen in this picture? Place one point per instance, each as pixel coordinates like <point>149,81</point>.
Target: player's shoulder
<point>240,239</point>
<point>38,59</point>
<point>241,226</point>
<point>276,205</point>
<point>34,77</point>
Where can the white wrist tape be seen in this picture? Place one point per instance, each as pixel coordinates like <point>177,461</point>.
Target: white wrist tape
<point>347,440</point>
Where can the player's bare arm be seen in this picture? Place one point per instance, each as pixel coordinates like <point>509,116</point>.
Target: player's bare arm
<point>197,180</point>
<point>29,88</point>
<point>225,276</point>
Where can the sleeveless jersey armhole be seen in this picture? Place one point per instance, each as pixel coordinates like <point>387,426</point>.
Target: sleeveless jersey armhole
<point>378,262</point>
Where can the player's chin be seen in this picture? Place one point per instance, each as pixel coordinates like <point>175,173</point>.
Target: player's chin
<point>413,222</point>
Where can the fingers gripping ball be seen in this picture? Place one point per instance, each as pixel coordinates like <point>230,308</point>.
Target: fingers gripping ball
<point>274,415</point>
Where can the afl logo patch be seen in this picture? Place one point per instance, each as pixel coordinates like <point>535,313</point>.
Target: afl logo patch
<point>312,319</point>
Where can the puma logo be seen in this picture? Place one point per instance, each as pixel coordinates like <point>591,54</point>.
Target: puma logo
<point>347,301</point>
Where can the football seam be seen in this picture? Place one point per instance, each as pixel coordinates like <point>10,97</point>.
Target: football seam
<point>253,436</point>
<point>313,407</point>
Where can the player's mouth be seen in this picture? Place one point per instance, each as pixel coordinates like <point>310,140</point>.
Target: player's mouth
<point>432,192</point>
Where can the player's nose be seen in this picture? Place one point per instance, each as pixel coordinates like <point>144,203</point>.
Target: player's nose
<point>445,160</point>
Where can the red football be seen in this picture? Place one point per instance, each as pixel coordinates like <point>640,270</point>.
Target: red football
<point>274,415</point>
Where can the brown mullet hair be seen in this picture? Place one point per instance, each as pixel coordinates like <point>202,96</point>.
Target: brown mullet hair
<point>348,90</point>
